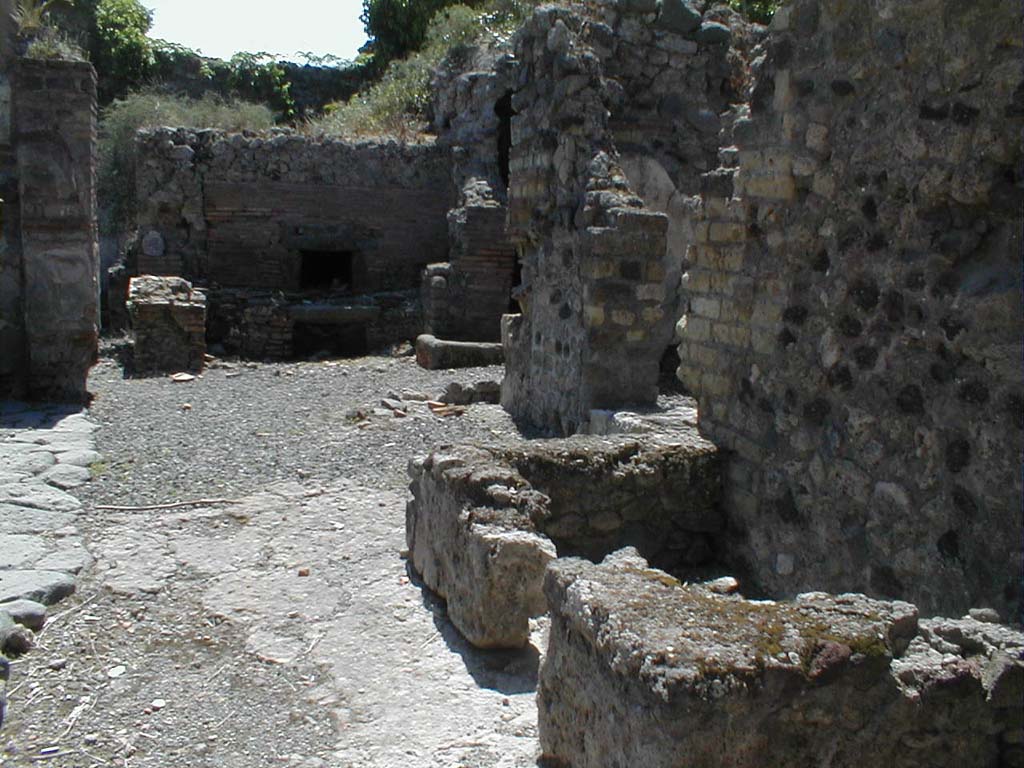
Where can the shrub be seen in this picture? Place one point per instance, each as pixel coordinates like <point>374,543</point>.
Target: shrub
<point>397,103</point>
<point>760,11</point>
<point>148,109</point>
<point>51,43</point>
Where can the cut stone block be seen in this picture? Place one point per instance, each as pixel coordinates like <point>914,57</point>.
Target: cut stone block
<point>642,670</point>
<point>433,353</point>
<point>472,539</point>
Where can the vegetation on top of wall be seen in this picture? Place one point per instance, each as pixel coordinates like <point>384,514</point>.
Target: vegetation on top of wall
<point>43,40</point>
<point>51,43</point>
<point>398,103</point>
<point>150,109</point>
<point>760,11</point>
<point>397,28</point>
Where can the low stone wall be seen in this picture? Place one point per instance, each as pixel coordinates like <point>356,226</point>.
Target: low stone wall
<point>272,325</point>
<point>642,669</point>
<point>485,520</point>
<point>168,319</point>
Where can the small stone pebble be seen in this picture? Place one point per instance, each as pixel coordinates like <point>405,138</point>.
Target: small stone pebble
<point>115,672</point>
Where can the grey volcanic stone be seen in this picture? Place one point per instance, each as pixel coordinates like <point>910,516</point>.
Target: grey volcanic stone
<point>433,353</point>
<point>14,638</point>
<point>20,550</point>
<point>28,613</point>
<point>678,16</point>
<point>29,462</point>
<point>38,497</point>
<point>642,669</point>
<point>711,32</point>
<point>65,476</point>
<point>15,519</point>
<point>46,587</point>
<point>79,457</point>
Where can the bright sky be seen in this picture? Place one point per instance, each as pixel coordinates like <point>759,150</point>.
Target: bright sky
<point>220,28</point>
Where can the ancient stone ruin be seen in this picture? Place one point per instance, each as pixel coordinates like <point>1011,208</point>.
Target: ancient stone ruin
<point>49,264</point>
<point>821,221</point>
<point>829,213</point>
<point>169,321</point>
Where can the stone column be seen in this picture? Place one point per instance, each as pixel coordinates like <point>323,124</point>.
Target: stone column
<point>54,132</point>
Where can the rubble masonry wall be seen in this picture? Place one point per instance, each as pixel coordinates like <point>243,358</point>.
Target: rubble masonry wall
<point>853,317</point>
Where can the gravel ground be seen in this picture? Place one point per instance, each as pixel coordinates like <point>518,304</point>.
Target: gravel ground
<point>285,631</point>
<point>240,426</point>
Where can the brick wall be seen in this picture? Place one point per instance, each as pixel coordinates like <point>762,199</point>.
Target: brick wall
<point>238,210</point>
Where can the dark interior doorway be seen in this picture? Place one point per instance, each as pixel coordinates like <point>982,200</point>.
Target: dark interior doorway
<point>503,109</point>
<point>333,340</point>
<point>326,271</point>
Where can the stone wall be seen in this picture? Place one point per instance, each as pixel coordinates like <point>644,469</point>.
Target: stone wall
<point>12,321</point>
<point>49,264</point>
<point>853,326</point>
<point>485,520</point>
<point>641,669</point>
<point>272,325</point>
<point>465,296</point>
<point>616,117</point>
<point>238,210</point>
<point>294,236</point>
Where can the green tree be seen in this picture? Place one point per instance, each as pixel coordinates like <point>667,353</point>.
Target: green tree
<point>398,27</point>
<point>120,50</point>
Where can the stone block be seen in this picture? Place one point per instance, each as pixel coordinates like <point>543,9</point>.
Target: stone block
<point>168,319</point>
<point>641,669</point>
<point>678,16</point>
<point>433,353</point>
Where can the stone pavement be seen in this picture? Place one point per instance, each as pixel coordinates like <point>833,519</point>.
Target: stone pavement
<point>45,450</point>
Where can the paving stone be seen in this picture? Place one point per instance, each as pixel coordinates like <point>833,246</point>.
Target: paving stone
<point>37,496</point>
<point>46,587</point>
<point>15,519</point>
<point>30,462</point>
<point>28,613</point>
<point>79,457</point>
<point>70,558</point>
<point>66,476</point>
<point>18,550</point>
<point>12,477</point>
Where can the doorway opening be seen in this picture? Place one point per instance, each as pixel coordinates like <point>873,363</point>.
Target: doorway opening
<point>326,271</point>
